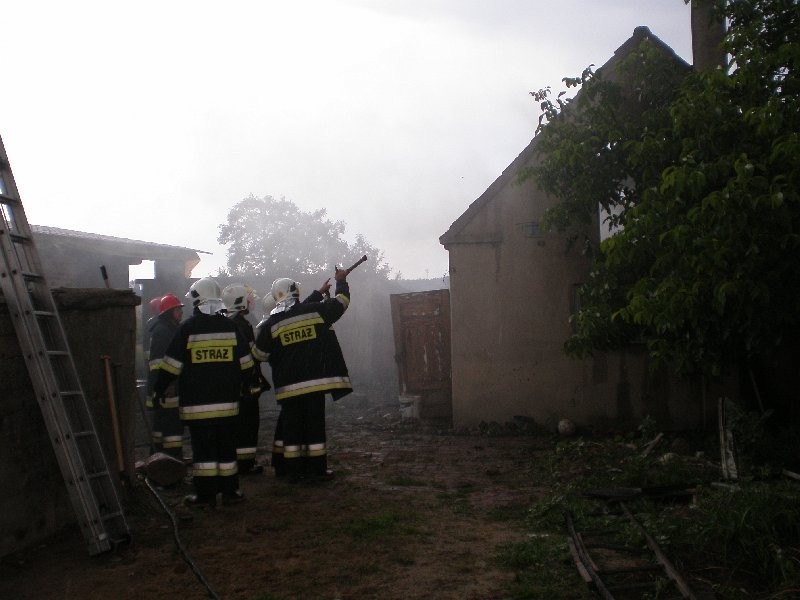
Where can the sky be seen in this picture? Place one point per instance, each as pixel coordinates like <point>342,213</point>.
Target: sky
<point>150,120</point>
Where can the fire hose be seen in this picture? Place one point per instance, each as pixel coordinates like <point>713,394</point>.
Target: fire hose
<point>181,548</point>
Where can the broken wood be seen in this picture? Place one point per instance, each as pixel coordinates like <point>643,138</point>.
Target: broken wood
<point>790,474</point>
<point>662,559</point>
<point>652,444</point>
<point>726,442</point>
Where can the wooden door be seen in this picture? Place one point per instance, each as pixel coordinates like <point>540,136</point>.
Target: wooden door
<point>421,323</point>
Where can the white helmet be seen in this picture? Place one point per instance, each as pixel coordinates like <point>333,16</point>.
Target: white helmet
<point>269,303</point>
<point>235,297</point>
<point>286,293</point>
<point>204,293</point>
<point>284,288</point>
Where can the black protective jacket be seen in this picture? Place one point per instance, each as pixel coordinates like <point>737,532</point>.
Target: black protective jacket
<point>258,383</point>
<point>162,330</point>
<point>303,350</point>
<point>212,360</point>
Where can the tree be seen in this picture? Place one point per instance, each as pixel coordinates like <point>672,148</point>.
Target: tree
<point>376,262</point>
<point>269,238</point>
<point>703,180</point>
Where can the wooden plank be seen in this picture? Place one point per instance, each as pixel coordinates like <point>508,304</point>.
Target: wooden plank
<point>669,568</point>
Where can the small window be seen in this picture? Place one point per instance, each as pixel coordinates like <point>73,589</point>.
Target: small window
<point>145,270</point>
<point>530,229</point>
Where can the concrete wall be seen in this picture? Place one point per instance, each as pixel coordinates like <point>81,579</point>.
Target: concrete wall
<point>33,499</point>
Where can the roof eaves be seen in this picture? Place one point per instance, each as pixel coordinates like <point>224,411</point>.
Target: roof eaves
<point>96,237</point>
<point>508,174</point>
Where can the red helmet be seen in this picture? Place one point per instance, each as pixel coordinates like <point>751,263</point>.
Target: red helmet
<point>154,306</point>
<point>168,302</point>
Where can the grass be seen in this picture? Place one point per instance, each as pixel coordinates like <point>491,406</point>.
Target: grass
<point>508,513</point>
<point>543,569</point>
<point>386,524</point>
<point>742,542</point>
<point>404,481</point>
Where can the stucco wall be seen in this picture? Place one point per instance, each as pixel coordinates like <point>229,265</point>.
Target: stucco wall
<point>34,501</point>
<point>510,319</point>
<point>512,293</point>
<point>510,307</point>
<point>511,298</point>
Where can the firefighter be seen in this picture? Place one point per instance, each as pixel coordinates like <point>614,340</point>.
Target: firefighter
<point>277,441</point>
<point>306,365</point>
<point>212,361</point>
<point>167,425</point>
<point>153,310</point>
<point>238,300</point>
<point>276,460</point>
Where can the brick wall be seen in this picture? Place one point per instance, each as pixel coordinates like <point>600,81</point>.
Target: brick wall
<point>34,502</point>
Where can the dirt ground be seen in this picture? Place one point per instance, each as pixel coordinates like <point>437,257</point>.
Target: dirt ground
<point>412,512</point>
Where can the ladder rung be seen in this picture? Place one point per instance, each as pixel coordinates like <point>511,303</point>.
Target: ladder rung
<point>111,515</point>
<point>44,313</point>
<point>57,353</point>
<point>83,434</point>
<point>97,475</point>
<point>70,392</point>
<point>30,276</point>
<point>19,238</point>
<point>9,200</point>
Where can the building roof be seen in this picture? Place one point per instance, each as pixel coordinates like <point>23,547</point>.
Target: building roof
<point>451,236</point>
<point>106,244</point>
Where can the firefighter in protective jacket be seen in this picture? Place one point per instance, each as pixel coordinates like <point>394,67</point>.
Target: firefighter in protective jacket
<point>167,425</point>
<point>212,360</point>
<point>238,299</point>
<point>306,363</point>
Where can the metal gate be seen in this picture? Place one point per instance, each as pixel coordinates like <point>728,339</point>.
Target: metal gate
<point>421,322</point>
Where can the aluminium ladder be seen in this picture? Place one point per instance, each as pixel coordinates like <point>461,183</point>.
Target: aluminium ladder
<point>54,377</point>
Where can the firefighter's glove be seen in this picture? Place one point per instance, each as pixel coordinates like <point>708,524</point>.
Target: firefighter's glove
<point>257,388</point>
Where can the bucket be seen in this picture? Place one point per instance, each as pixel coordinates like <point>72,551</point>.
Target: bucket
<point>409,407</point>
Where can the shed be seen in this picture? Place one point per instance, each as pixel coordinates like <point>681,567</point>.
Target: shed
<point>507,341</point>
<point>73,259</point>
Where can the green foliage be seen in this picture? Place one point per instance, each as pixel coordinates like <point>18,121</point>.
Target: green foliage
<point>543,567</point>
<point>754,529</point>
<point>702,173</point>
<point>744,539</point>
<point>273,238</point>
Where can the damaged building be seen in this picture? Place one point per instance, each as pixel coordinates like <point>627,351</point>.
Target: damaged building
<point>507,343</point>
